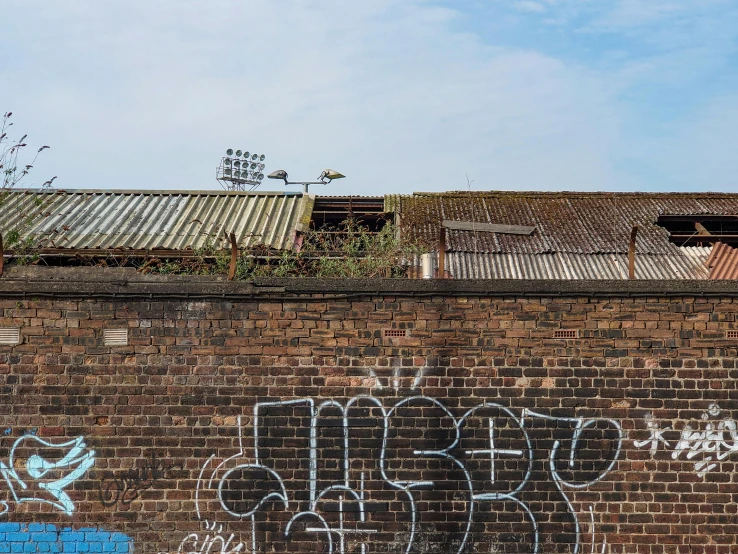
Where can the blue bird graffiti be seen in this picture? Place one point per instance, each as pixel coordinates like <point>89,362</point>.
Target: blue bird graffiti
<point>49,475</point>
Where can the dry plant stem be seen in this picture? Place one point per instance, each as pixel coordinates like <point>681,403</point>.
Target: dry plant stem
<point>348,251</point>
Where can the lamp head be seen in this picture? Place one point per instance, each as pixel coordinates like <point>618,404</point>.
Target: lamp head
<point>330,174</point>
<point>279,174</point>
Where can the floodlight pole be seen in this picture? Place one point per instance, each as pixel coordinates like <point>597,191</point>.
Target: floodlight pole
<point>324,178</point>
<point>305,184</point>
<point>234,173</point>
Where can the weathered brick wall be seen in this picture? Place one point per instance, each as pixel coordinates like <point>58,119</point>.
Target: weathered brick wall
<point>273,425</point>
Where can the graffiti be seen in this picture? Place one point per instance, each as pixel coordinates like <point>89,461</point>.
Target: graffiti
<point>493,452</point>
<point>128,486</point>
<point>45,476</point>
<point>396,376</point>
<point>7,432</point>
<point>656,436</point>
<point>592,533</point>
<point>710,444</point>
<point>214,542</point>
<point>46,537</point>
<point>580,426</point>
<point>361,456</point>
<point>230,491</point>
<point>706,447</point>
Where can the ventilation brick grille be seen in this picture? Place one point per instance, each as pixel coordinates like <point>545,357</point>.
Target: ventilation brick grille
<point>731,334</point>
<point>395,333</point>
<point>566,334</point>
<point>9,335</point>
<point>115,337</point>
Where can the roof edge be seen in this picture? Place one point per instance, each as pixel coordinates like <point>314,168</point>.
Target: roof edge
<point>565,193</point>
<point>127,283</point>
<point>158,192</point>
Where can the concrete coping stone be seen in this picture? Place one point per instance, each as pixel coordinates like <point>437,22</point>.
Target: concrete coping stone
<point>114,282</point>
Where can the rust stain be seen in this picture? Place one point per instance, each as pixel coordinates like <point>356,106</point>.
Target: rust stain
<point>567,222</point>
<point>723,261</point>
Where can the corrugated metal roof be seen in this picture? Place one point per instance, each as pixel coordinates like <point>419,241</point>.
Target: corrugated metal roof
<point>352,196</point>
<point>566,222</point>
<point>723,261</point>
<point>465,265</point>
<point>699,254</point>
<point>152,220</point>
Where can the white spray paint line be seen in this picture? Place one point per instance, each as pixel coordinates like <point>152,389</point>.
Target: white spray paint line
<point>492,450</point>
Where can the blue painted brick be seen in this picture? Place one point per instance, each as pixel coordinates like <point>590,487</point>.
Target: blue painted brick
<point>45,538</point>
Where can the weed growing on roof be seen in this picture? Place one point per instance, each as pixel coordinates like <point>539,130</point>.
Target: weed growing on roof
<point>12,169</point>
<point>350,251</point>
<point>206,260</point>
<point>25,251</point>
<point>19,212</point>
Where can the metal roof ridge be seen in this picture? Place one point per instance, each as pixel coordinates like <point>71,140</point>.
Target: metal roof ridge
<point>157,192</point>
<point>347,196</point>
<point>567,194</point>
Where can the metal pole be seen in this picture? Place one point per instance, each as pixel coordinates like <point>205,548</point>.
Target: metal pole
<point>632,253</point>
<point>442,253</point>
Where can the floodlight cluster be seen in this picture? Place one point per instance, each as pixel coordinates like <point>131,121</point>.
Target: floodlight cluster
<point>242,167</point>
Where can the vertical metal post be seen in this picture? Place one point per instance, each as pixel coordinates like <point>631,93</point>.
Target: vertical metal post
<point>234,256</point>
<point>442,253</point>
<point>632,252</point>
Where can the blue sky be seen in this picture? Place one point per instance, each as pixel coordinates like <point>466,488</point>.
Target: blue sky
<point>399,95</point>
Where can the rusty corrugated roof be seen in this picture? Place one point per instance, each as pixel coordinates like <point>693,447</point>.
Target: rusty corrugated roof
<point>723,261</point>
<point>566,222</point>
<point>561,265</point>
<point>152,220</point>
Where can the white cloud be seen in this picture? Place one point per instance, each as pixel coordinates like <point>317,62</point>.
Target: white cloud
<point>149,95</point>
<point>399,95</point>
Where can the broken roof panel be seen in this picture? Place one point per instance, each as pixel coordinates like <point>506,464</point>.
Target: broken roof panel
<point>723,262</point>
<point>565,222</point>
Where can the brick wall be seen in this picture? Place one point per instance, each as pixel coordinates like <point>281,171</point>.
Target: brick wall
<point>296,425</point>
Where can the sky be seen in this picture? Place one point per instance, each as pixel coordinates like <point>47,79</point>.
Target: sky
<point>398,95</point>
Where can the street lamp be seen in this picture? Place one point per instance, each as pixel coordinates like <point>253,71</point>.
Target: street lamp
<point>240,169</point>
<point>324,178</point>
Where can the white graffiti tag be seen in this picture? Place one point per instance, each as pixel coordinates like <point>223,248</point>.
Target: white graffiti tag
<point>708,445</point>
<point>66,470</point>
<point>714,443</point>
<point>358,456</point>
<point>581,425</point>
<point>657,436</point>
<point>214,542</point>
